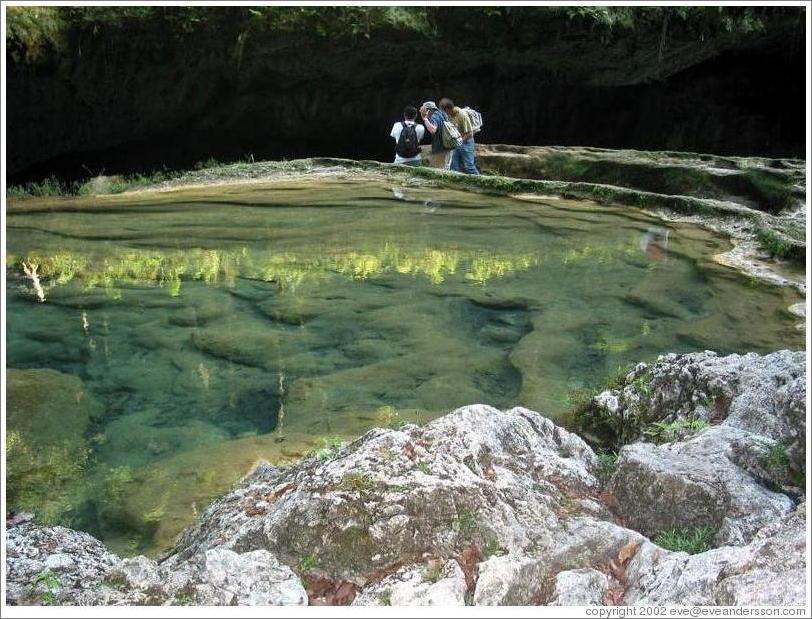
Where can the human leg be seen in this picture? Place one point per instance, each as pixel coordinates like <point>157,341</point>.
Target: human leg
<point>467,158</point>
<point>456,159</point>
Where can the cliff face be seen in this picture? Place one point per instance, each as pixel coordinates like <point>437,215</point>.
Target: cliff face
<point>131,91</point>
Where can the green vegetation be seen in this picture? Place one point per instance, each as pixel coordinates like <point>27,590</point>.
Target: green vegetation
<point>778,245</point>
<point>466,522</point>
<point>607,465</point>
<point>50,583</point>
<point>423,467</point>
<point>387,415</point>
<point>703,21</point>
<point>48,187</point>
<point>777,458</point>
<point>329,447</point>
<point>611,429</point>
<point>307,563</point>
<point>775,190</point>
<point>491,548</point>
<point>690,540</point>
<point>34,32</point>
<point>357,482</point>
<point>662,432</point>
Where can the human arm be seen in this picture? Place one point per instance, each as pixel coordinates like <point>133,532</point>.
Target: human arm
<point>427,122</point>
<point>467,129</point>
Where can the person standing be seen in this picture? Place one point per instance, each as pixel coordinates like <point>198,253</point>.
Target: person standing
<point>407,135</point>
<point>433,119</point>
<point>462,158</point>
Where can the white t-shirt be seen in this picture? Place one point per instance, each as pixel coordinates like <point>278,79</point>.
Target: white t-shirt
<point>396,129</point>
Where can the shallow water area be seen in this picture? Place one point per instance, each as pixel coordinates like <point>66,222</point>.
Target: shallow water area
<point>186,335</point>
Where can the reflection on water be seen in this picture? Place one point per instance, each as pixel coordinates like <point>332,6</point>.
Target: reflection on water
<point>187,335</point>
<point>118,269</point>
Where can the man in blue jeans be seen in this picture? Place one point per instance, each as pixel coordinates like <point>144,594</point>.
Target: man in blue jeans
<point>462,159</point>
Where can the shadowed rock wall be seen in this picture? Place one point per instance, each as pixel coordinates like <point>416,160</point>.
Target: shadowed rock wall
<point>139,95</point>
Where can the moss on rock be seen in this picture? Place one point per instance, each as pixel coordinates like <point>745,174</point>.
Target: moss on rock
<point>48,414</point>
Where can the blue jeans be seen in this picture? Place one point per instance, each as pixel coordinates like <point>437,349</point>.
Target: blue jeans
<point>462,159</point>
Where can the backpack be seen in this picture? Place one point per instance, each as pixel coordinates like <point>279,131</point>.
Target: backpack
<point>408,145</point>
<point>476,118</point>
<point>449,135</point>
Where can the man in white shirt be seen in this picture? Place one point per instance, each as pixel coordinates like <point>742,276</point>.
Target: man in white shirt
<point>408,135</point>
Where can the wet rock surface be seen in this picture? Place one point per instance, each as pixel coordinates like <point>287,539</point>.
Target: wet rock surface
<point>758,201</point>
<point>486,507</point>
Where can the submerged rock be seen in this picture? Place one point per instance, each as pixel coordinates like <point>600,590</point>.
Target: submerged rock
<point>481,507</point>
<point>47,415</point>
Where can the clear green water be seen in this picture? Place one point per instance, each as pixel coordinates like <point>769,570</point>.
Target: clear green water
<point>195,332</point>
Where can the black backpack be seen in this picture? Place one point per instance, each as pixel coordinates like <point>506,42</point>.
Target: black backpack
<point>408,145</point>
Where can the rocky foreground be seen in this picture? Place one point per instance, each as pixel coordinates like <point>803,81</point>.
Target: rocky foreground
<point>492,507</point>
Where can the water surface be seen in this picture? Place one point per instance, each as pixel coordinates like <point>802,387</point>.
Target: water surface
<point>188,334</point>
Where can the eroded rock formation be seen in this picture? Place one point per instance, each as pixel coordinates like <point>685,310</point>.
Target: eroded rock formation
<point>486,507</point>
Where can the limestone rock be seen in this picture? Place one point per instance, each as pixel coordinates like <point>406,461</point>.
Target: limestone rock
<point>724,471</point>
<point>771,570</point>
<point>694,484</point>
<point>52,565</point>
<point>60,566</point>
<point>418,585</point>
<point>585,587</point>
<point>477,476</point>
<point>480,506</point>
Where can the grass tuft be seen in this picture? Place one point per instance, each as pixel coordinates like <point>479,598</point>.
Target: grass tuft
<point>691,540</point>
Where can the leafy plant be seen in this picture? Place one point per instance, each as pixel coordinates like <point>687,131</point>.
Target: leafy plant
<point>330,446</point>
<point>50,582</point>
<point>662,432</point>
<point>607,464</point>
<point>307,563</point>
<point>775,244</point>
<point>387,415</point>
<point>691,540</point>
<point>423,467</point>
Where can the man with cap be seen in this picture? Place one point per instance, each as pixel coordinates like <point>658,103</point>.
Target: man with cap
<point>433,119</point>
